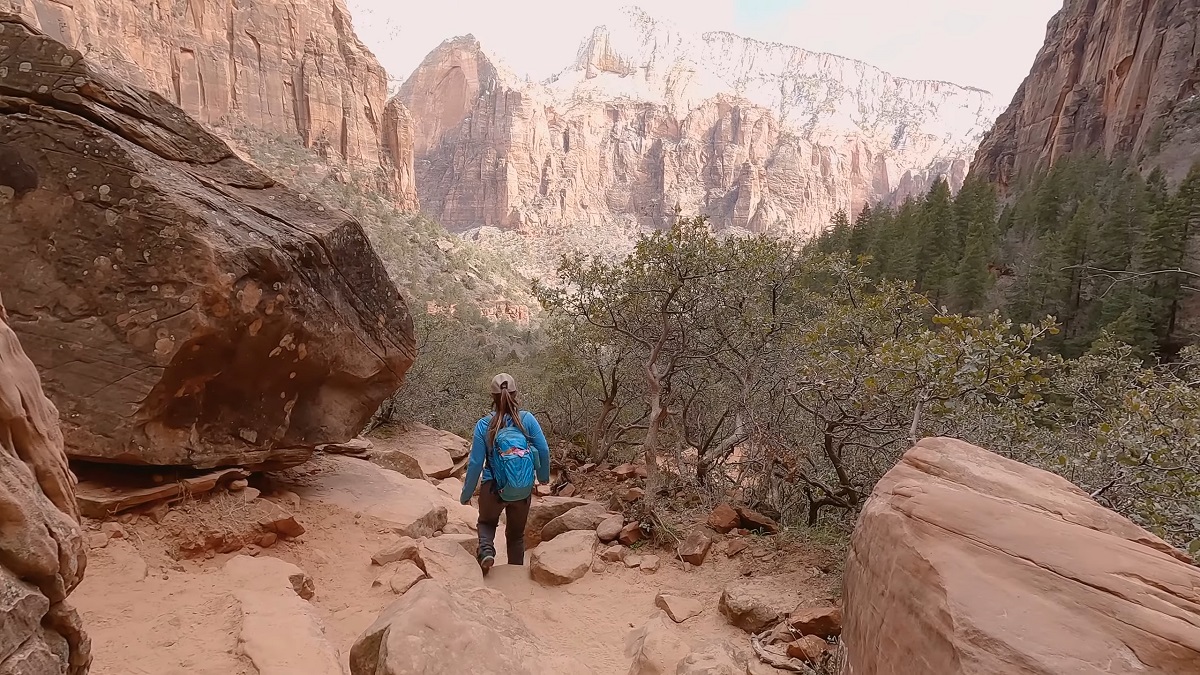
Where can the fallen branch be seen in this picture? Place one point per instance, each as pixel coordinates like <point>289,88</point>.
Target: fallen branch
<point>776,660</point>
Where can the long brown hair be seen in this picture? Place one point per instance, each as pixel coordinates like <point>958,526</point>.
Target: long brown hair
<point>504,405</point>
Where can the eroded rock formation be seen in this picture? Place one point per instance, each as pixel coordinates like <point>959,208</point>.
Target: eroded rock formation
<point>182,307</point>
<point>965,562</point>
<point>42,556</point>
<point>274,67</point>
<point>1121,77</point>
<point>761,137</point>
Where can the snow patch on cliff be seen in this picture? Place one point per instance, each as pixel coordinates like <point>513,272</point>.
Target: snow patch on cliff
<point>820,97</point>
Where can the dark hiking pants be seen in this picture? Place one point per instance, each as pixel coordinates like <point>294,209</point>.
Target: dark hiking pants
<point>516,513</point>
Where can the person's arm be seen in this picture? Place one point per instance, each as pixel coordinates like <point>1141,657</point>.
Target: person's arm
<point>474,463</point>
<point>540,445</point>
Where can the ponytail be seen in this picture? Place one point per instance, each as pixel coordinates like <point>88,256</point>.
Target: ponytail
<point>504,405</point>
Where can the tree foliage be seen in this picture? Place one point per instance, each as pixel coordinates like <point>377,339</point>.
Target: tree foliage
<point>797,376</point>
<point>1091,242</point>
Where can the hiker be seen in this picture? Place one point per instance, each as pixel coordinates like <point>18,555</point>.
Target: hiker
<point>501,452</point>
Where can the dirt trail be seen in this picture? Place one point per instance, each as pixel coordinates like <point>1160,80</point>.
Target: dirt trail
<point>150,614</point>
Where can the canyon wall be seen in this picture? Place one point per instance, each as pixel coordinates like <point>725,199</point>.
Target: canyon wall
<point>1121,77</point>
<point>761,137</point>
<point>273,67</point>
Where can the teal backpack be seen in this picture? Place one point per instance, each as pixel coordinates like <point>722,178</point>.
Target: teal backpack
<point>513,464</point>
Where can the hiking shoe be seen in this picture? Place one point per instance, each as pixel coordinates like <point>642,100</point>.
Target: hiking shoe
<point>485,562</point>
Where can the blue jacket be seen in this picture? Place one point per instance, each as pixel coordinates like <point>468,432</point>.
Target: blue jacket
<point>475,464</point>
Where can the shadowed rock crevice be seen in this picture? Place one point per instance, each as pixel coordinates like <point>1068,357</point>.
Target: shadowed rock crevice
<point>184,308</point>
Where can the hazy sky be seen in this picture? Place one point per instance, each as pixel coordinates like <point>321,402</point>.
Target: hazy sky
<point>984,43</point>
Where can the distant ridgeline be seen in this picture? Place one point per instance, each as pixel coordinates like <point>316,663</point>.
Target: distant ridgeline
<point>1091,241</point>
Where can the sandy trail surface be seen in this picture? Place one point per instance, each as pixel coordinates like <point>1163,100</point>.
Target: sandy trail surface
<point>148,613</point>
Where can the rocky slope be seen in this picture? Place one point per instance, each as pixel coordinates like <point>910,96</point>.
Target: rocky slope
<point>276,67</point>
<point>1120,77</point>
<point>182,307</point>
<point>761,137</point>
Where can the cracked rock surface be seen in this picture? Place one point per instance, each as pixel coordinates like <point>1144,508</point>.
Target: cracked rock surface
<point>181,306</point>
<point>967,562</point>
<point>42,556</point>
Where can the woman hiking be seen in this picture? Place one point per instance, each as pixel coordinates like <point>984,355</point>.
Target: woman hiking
<point>501,452</point>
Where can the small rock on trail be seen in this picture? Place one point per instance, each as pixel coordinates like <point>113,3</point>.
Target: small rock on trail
<point>565,559</point>
<point>695,548</point>
<point>406,576</point>
<point>404,548</point>
<point>724,519</point>
<point>435,628</point>
<point>630,534</point>
<point>751,606</point>
<point>447,561</point>
<point>820,621</point>
<point>586,517</point>
<point>678,608</point>
<point>610,528</point>
<point>544,510</point>
<point>656,648</point>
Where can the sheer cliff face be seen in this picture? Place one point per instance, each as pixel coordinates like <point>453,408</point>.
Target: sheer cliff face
<point>760,137</point>
<point>1121,77</point>
<point>279,67</point>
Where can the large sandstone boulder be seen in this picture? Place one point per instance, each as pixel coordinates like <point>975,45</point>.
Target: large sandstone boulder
<point>42,555</point>
<point>968,563</point>
<point>414,508</point>
<point>437,629</point>
<point>183,307</point>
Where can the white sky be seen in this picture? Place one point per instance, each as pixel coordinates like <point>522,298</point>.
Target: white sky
<point>984,43</point>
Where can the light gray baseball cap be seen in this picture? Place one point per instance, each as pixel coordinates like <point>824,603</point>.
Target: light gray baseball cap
<point>504,382</point>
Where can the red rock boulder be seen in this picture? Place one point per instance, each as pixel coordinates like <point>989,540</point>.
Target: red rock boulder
<point>968,563</point>
<point>182,307</point>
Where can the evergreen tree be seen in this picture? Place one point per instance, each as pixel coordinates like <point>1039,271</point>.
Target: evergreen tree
<point>973,280</point>
<point>862,232</point>
<point>937,241</point>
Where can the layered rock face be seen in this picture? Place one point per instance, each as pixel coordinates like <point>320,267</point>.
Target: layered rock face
<point>1122,77</point>
<point>182,307</point>
<point>760,137</point>
<point>42,556</point>
<point>965,562</point>
<point>277,67</point>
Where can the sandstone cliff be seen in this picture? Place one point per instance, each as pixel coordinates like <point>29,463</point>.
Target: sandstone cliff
<point>274,67</point>
<point>182,307</point>
<point>761,137</point>
<point>1120,77</point>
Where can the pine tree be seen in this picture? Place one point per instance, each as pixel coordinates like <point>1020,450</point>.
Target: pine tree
<point>1185,209</point>
<point>862,232</point>
<point>973,280</point>
<point>937,244</point>
<point>839,231</point>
